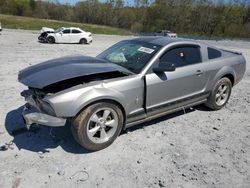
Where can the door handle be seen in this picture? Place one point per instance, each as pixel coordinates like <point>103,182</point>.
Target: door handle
<point>199,72</point>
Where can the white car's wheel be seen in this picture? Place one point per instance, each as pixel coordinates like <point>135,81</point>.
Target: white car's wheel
<point>51,40</point>
<point>83,41</point>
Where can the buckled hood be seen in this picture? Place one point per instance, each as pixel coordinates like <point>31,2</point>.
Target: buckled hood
<point>56,70</point>
<point>47,29</point>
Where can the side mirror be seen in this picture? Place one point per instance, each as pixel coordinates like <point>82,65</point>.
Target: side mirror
<point>169,68</point>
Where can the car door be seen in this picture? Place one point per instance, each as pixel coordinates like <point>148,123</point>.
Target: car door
<point>64,36</point>
<point>174,88</point>
<point>76,35</point>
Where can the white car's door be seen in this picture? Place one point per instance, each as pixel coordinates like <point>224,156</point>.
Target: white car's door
<point>63,36</point>
<point>75,36</point>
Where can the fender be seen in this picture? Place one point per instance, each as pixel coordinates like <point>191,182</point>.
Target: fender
<point>97,94</point>
<point>82,98</point>
<point>226,70</point>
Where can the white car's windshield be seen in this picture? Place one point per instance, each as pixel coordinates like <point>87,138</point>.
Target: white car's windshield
<point>59,29</point>
<point>133,55</point>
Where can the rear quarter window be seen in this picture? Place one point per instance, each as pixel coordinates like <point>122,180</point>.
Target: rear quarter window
<point>76,31</point>
<point>213,53</point>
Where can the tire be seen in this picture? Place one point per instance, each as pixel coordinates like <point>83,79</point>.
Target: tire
<point>83,41</point>
<point>51,40</point>
<point>220,94</point>
<point>97,126</point>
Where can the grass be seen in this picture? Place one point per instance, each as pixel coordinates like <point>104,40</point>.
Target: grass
<point>20,22</point>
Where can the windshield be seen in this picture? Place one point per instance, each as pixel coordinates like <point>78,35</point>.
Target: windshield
<point>59,29</point>
<point>133,55</point>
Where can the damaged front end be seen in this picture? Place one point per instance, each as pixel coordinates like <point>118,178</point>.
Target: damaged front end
<point>44,33</point>
<point>37,111</point>
<point>43,36</point>
<point>54,79</point>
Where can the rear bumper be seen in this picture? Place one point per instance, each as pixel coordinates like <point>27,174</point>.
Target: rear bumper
<point>33,116</point>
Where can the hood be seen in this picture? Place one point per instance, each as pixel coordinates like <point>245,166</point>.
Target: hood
<point>47,29</point>
<point>56,70</point>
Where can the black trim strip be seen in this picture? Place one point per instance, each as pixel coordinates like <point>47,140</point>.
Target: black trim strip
<point>163,113</point>
<point>136,116</point>
<point>175,103</point>
<point>154,112</point>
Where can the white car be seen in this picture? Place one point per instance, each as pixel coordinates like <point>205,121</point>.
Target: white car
<point>65,35</point>
<point>48,30</point>
<point>0,26</point>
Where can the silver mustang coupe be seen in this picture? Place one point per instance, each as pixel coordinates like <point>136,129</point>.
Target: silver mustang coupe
<point>131,82</point>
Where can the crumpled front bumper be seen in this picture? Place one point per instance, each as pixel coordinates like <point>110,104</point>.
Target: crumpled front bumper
<point>33,116</point>
<point>42,39</point>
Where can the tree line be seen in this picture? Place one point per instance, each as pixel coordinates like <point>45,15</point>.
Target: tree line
<point>187,17</point>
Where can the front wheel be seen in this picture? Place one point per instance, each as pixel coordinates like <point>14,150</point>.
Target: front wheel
<point>51,40</point>
<point>220,94</point>
<point>97,126</point>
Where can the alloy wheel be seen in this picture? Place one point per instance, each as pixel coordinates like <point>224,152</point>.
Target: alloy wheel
<point>222,95</point>
<point>102,125</point>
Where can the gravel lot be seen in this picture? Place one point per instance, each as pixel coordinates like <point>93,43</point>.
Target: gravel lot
<point>199,148</point>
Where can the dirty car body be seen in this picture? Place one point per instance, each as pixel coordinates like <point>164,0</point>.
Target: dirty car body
<point>145,78</point>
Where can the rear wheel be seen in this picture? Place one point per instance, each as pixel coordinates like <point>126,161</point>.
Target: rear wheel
<point>97,126</point>
<point>220,94</point>
<point>83,41</point>
<point>51,40</point>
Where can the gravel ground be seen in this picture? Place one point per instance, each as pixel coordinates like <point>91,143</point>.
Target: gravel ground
<point>199,148</point>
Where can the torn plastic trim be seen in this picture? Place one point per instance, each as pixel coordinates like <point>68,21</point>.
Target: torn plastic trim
<point>34,99</point>
<point>32,116</point>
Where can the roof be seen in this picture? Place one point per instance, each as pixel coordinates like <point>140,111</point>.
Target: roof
<point>74,28</point>
<point>70,27</point>
<point>163,41</point>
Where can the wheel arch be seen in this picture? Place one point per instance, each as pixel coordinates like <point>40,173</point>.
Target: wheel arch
<point>84,39</point>
<point>230,77</point>
<point>51,36</point>
<point>227,72</point>
<point>80,129</point>
<point>108,100</point>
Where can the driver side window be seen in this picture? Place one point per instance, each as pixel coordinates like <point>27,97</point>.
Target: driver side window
<point>66,31</point>
<point>181,56</point>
